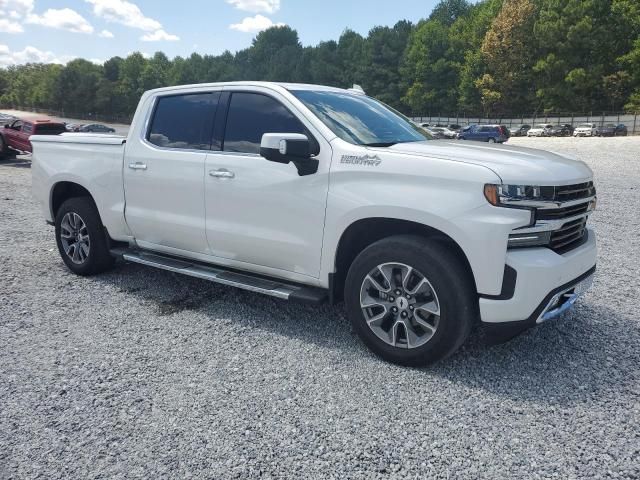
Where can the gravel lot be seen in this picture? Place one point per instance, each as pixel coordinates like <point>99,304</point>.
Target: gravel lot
<point>141,373</point>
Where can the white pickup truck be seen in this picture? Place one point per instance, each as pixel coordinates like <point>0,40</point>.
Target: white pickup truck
<point>314,194</point>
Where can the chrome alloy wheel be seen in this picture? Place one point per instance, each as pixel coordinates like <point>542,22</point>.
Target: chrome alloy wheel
<point>74,237</point>
<point>400,305</point>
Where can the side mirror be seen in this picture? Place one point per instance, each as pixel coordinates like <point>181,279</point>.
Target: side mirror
<point>7,125</point>
<point>289,148</point>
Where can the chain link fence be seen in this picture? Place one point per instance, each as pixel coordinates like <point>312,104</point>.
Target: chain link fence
<point>631,121</point>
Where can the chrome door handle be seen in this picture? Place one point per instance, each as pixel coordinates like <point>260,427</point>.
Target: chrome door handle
<point>222,173</point>
<point>137,166</point>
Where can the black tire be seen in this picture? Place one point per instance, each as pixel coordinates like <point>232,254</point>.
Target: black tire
<point>3,148</point>
<point>491,140</point>
<point>98,258</point>
<point>455,291</point>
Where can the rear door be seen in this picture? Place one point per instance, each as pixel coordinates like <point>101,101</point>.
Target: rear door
<point>481,133</point>
<point>22,136</point>
<point>164,173</point>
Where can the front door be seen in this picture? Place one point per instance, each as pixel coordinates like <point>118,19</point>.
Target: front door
<point>164,173</point>
<point>16,137</point>
<point>260,212</point>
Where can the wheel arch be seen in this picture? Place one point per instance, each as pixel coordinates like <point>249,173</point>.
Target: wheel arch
<point>366,231</point>
<point>64,190</point>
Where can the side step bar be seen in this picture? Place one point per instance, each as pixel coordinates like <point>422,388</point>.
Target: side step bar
<point>245,281</point>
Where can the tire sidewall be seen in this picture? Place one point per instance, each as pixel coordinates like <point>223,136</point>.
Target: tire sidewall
<point>84,207</point>
<point>453,295</point>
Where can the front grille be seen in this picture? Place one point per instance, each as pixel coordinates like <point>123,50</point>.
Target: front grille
<point>570,233</point>
<point>562,212</point>
<point>562,227</point>
<point>575,192</point>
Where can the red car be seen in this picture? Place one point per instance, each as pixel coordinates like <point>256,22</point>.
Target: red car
<point>15,135</point>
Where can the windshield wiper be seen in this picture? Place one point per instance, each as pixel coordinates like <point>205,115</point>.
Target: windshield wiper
<point>380,144</point>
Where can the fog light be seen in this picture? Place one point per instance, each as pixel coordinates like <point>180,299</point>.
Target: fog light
<point>536,239</point>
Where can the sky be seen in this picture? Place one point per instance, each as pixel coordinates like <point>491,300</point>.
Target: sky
<point>58,31</point>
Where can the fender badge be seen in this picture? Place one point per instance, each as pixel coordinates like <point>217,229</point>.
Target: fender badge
<point>365,160</point>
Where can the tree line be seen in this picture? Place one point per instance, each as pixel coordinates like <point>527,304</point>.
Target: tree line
<point>493,57</point>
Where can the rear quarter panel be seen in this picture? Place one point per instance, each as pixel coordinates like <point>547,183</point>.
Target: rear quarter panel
<point>93,163</point>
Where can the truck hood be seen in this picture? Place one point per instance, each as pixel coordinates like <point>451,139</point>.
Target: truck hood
<point>514,165</point>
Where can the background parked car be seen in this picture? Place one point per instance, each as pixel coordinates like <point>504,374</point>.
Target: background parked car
<point>606,130</point>
<point>540,130</point>
<point>564,130</point>
<point>612,130</point>
<point>520,130</point>
<point>15,135</point>
<point>436,132</point>
<point>586,130</point>
<point>96,128</point>
<point>442,132</point>
<point>621,130</point>
<point>455,127</point>
<point>484,133</point>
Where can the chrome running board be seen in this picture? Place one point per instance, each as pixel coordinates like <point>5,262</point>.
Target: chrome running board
<point>245,281</point>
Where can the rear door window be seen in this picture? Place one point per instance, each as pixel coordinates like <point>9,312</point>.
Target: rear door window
<point>250,116</point>
<point>184,121</point>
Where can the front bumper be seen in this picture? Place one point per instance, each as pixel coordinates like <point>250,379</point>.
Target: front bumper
<point>543,279</point>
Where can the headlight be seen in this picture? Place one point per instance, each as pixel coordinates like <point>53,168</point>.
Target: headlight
<point>518,196</point>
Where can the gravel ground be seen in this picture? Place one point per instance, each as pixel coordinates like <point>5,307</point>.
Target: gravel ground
<point>141,373</point>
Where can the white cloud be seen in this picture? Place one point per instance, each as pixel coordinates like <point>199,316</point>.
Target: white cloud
<point>105,34</point>
<point>7,26</point>
<point>254,24</point>
<point>255,6</point>
<point>30,55</point>
<point>63,19</point>
<point>126,13</point>
<point>158,36</point>
<point>16,8</point>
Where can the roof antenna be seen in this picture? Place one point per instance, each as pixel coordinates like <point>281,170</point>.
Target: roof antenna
<point>357,89</point>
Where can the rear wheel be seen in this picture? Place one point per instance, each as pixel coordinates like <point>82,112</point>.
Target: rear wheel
<point>81,238</point>
<point>492,140</point>
<point>410,300</point>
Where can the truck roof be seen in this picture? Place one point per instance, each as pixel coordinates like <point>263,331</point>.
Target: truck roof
<point>277,85</point>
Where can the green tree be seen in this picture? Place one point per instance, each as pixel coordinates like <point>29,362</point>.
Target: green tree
<point>382,58</point>
<point>430,74</point>
<point>506,54</point>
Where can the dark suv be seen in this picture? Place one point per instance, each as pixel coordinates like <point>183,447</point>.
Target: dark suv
<point>484,133</point>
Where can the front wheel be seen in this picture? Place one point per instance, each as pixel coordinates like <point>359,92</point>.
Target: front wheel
<point>492,140</point>
<point>3,148</point>
<point>410,299</point>
<point>81,238</point>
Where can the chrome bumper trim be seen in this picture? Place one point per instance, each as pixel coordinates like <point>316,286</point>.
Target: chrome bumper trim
<point>568,297</point>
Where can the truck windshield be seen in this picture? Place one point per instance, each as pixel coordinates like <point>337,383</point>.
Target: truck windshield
<point>361,120</point>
